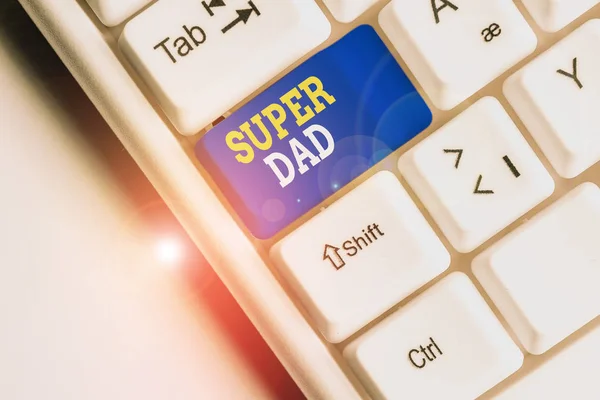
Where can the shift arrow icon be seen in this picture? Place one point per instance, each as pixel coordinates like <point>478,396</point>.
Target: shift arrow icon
<point>332,254</point>
<point>243,16</point>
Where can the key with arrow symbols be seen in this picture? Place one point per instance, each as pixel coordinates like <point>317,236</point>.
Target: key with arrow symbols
<point>243,16</point>
<point>476,174</point>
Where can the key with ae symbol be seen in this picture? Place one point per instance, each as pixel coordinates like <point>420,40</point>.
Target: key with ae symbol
<point>456,47</point>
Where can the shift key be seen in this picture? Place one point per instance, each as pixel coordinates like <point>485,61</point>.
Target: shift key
<point>360,256</point>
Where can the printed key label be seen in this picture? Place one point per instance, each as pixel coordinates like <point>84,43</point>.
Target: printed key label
<point>313,132</point>
<point>423,355</point>
<point>254,135</point>
<point>337,256</point>
<point>192,36</point>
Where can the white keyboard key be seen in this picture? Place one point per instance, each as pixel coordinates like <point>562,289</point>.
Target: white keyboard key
<point>454,48</point>
<point>571,374</point>
<point>445,344</point>
<point>476,174</point>
<point>557,96</point>
<point>553,15</point>
<point>114,12</point>
<point>360,256</point>
<point>348,10</point>
<point>544,277</point>
<point>201,58</point>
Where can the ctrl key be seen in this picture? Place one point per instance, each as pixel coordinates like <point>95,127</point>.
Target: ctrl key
<point>445,344</point>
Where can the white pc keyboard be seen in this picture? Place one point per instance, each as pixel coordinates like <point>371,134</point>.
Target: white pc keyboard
<point>420,175</point>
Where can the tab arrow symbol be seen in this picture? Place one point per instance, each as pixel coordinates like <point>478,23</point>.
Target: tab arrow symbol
<point>479,191</point>
<point>332,254</point>
<point>216,3</point>
<point>213,4</point>
<point>243,16</point>
<point>457,151</point>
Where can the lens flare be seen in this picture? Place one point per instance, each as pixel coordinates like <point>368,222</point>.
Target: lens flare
<point>169,251</point>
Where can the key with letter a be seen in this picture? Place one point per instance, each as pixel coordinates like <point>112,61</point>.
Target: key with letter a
<point>557,96</point>
<point>456,47</point>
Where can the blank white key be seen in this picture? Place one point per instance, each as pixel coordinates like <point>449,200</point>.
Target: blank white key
<point>560,109</point>
<point>454,48</point>
<point>445,344</point>
<point>113,12</point>
<point>553,15</point>
<point>203,57</point>
<point>360,256</point>
<point>544,277</point>
<point>348,10</point>
<point>476,174</point>
<point>571,374</point>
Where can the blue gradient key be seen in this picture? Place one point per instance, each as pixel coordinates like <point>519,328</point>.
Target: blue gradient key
<point>314,131</point>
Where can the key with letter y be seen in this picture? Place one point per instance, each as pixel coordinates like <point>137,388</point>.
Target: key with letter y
<point>456,47</point>
<point>557,95</point>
